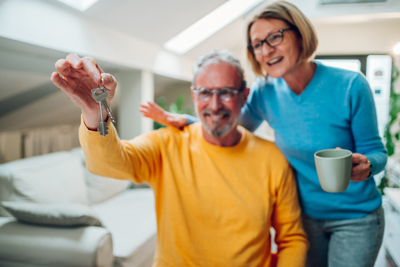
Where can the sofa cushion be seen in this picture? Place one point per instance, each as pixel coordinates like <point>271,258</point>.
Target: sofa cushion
<point>52,214</point>
<point>130,217</point>
<point>60,181</point>
<point>52,178</point>
<point>99,188</point>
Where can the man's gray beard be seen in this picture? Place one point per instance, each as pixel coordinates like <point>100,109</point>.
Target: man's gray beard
<point>217,133</point>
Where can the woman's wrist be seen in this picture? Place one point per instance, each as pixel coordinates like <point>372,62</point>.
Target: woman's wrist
<point>370,168</point>
<point>167,115</point>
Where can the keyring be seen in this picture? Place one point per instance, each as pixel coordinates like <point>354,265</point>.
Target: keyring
<point>102,81</point>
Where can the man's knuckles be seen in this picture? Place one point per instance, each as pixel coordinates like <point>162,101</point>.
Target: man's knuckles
<point>87,61</point>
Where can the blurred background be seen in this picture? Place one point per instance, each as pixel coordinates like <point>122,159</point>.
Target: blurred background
<point>150,47</point>
<point>142,45</point>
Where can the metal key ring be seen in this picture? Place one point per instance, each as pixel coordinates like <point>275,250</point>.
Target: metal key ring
<point>102,81</point>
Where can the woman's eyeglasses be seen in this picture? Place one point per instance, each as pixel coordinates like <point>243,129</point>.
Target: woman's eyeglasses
<point>273,39</point>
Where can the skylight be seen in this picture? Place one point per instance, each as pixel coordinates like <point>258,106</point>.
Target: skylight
<point>81,5</point>
<point>209,25</point>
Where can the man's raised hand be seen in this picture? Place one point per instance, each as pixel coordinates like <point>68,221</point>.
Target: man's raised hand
<point>79,76</point>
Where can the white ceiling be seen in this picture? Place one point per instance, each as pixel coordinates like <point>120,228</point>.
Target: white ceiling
<point>24,66</point>
<point>151,20</point>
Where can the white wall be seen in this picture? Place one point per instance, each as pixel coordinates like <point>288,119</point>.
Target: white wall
<point>313,9</point>
<point>376,37</point>
<point>44,24</point>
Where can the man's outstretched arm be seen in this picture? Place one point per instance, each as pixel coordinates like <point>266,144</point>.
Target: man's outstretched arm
<point>106,156</point>
<point>137,160</point>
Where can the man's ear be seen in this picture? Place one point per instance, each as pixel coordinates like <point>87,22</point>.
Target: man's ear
<point>245,95</point>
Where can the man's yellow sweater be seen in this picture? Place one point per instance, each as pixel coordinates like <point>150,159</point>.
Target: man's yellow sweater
<point>214,205</point>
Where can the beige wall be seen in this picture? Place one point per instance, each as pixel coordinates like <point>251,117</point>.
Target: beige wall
<point>344,36</point>
<point>375,37</point>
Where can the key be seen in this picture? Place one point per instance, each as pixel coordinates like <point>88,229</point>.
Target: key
<point>100,95</point>
<point>102,125</point>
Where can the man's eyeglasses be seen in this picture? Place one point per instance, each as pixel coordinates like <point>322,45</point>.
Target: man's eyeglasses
<point>225,93</point>
<point>273,39</point>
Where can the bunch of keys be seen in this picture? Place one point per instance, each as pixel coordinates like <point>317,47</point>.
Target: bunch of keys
<point>100,96</point>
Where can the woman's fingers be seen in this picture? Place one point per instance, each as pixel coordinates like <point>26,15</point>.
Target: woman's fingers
<point>154,107</point>
<point>145,115</point>
<point>176,121</point>
<point>359,172</point>
<point>358,158</point>
<point>360,168</point>
<point>153,111</point>
<point>152,104</point>
<point>144,112</point>
<point>144,109</point>
<point>362,176</point>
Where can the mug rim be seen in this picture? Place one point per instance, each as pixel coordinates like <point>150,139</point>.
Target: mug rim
<point>331,149</point>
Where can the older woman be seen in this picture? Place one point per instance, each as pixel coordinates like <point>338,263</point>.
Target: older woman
<point>312,107</point>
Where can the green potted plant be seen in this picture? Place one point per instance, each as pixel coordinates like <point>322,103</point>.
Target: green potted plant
<point>392,134</point>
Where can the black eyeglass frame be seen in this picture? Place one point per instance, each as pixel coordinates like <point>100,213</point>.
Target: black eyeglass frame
<point>251,48</point>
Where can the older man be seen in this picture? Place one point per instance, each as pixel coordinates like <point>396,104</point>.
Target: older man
<point>218,188</point>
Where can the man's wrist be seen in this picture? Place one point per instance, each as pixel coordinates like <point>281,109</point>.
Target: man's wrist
<point>92,120</point>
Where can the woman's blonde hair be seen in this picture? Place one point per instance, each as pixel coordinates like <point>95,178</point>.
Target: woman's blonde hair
<point>290,14</point>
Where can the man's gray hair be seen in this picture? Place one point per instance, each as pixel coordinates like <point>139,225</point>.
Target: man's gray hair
<point>220,55</point>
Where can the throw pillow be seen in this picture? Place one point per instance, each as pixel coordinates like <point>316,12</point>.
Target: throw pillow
<point>52,214</point>
<point>59,179</point>
<point>101,188</point>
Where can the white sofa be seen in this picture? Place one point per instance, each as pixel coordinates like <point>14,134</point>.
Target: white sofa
<point>127,236</point>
